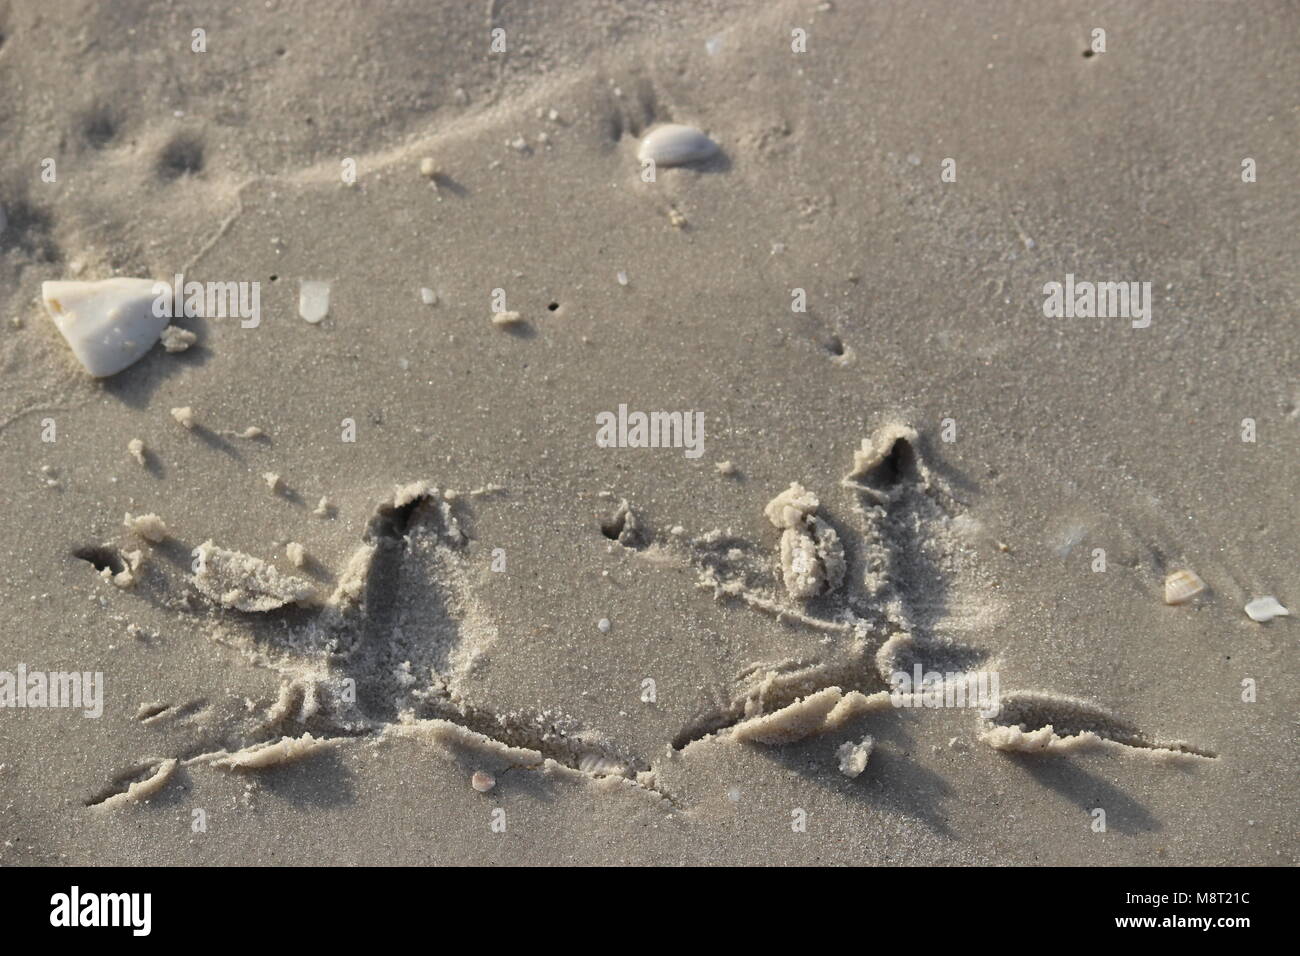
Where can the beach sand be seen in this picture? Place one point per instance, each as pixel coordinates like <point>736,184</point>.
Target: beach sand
<point>487,590</point>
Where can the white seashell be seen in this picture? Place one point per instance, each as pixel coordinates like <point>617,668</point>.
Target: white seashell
<point>1182,586</point>
<point>482,781</point>
<point>313,300</point>
<point>108,324</point>
<point>675,145</point>
<point>1265,609</point>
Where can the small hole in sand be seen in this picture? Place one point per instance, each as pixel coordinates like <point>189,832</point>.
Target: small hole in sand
<point>835,346</point>
<point>553,306</point>
<point>1087,53</point>
<point>99,128</point>
<point>99,557</point>
<point>181,157</point>
<point>898,464</point>
<point>274,278</point>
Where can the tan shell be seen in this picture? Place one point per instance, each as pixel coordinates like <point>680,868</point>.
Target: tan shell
<point>1182,586</point>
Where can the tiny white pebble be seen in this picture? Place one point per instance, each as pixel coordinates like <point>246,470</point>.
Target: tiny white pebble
<point>252,431</point>
<point>428,296</point>
<point>725,467</point>
<point>272,480</point>
<point>296,553</point>
<point>503,319</point>
<point>428,168</point>
<point>604,625</point>
<point>136,449</point>
<point>184,415</point>
<point>622,278</point>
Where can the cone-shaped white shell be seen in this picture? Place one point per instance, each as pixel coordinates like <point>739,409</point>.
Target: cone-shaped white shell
<point>108,324</point>
<point>675,145</point>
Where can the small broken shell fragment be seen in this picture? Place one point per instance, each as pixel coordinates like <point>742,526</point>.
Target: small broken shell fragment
<point>108,324</point>
<point>313,300</point>
<point>184,416</point>
<point>506,319</point>
<point>135,447</point>
<point>1182,586</point>
<point>674,144</point>
<point>1265,609</point>
<point>482,782</point>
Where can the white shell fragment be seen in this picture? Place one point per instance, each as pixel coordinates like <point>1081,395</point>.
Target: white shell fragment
<point>482,781</point>
<point>313,300</point>
<point>108,324</point>
<point>675,145</point>
<point>1182,586</point>
<point>1265,609</point>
